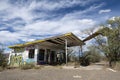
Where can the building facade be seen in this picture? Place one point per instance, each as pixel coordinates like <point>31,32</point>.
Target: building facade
<point>48,51</point>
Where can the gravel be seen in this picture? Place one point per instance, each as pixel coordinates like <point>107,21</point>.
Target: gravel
<point>58,73</point>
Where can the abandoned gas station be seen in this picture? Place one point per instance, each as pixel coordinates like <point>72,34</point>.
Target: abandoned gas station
<point>44,51</point>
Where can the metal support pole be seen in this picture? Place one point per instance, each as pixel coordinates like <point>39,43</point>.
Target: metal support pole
<point>79,54</point>
<point>66,50</point>
<point>81,50</point>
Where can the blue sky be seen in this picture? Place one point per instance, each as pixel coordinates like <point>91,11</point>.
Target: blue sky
<point>28,20</point>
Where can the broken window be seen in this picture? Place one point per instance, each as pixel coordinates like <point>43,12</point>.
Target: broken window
<point>41,54</point>
<point>31,53</point>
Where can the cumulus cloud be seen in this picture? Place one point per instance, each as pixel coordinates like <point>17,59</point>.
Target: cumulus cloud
<point>18,14</point>
<point>6,36</point>
<point>53,5</point>
<point>4,5</point>
<point>104,11</point>
<point>45,28</point>
<point>60,26</point>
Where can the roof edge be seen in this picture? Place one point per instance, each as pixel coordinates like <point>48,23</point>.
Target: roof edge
<point>42,40</point>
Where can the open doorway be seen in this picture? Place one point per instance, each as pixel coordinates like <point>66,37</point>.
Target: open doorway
<point>52,57</point>
<point>40,57</point>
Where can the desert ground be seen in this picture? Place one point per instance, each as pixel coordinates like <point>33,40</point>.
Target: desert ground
<point>92,72</point>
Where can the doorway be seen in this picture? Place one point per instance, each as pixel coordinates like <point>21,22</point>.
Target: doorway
<point>40,57</point>
<point>52,57</point>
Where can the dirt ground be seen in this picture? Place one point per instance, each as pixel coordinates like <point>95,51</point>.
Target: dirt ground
<point>92,72</point>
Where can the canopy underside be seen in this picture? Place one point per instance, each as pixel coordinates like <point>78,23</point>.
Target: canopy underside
<point>72,40</point>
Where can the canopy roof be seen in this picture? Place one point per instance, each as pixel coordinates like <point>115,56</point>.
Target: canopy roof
<point>103,31</point>
<point>72,40</point>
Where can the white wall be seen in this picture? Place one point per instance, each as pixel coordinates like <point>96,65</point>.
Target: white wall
<point>37,47</point>
<point>25,55</point>
<point>36,52</point>
<point>57,50</point>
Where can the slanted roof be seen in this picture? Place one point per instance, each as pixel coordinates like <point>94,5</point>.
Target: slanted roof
<point>72,40</point>
<point>104,31</point>
<point>91,36</point>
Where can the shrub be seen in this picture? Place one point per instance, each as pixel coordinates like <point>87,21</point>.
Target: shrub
<point>27,66</point>
<point>1,69</point>
<point>3,60</point>
<point>85,61</point>
<point>38,67</point>
<point>90,57</point>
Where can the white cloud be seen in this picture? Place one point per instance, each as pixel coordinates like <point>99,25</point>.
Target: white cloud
<point>44,28</point>
<point>82,13</point>
<point>6,36</point>
<point>21,12</point>
<point>61,26</point>
<point>3,4</point>
<point>52,5</point>
<point>25,12</point>
<point>104,11</point>
<point>68,23</point>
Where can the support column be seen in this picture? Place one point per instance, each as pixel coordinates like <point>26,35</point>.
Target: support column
<point>36,54</point>
<point>66,50</point>
<point>79,53</point>
<point>81,50</point>
<point>45,53</point>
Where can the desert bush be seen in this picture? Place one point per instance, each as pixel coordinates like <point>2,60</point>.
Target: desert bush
<point>91,56</point>
<point>27,66</point>
<point>38,66</point>
<point>4,64</point>
<point>1,69</point>
<point>3,60</point>
<point>10,67</point>
<point>85,61</point>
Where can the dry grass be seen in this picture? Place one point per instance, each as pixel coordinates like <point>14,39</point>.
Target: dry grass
<point>117,66</point>
<point>38,66</point>
<point>1,69</point>
<point>27,66</point>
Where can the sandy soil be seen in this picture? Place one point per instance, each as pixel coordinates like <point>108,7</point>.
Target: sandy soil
<point>92,72</point>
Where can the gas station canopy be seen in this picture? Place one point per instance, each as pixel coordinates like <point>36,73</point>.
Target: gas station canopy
<point>72,40</point>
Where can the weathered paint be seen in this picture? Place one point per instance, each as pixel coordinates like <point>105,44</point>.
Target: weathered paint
<point>16,60</point>
<point>71,35</point>
<point>25,53</point>
<point>35,56</point>
<point>30,60</point>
